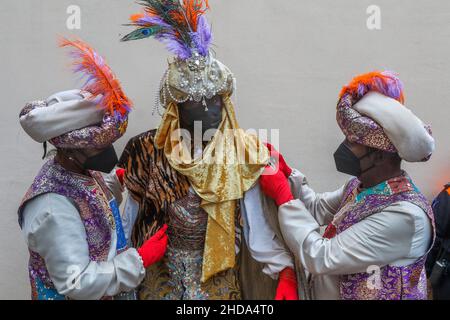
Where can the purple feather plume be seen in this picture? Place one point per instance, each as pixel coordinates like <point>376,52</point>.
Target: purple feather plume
<point>385,82</point>
<point>174,45</point>
<point>393,87</point>
<point>203,37</point>
<point>177,34</point>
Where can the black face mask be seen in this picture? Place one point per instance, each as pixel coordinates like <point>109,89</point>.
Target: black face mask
<point>348,163</point>
<point>210,116</point>
<point>104,161</point>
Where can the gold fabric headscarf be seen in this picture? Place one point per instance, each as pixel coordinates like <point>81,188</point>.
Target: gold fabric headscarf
<point>230,165</point>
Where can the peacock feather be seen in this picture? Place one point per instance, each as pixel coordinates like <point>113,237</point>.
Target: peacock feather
<point>179,24</point>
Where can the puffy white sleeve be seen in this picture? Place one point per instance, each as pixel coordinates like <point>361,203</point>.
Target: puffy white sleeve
<point>322,206</point>
<point>53,228</point>
<point>130,213</point>
<point>114,185</point>
<point>399,235</point>
<point>262,241</point>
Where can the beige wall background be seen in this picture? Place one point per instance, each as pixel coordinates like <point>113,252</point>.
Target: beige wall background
<point>290,57</point>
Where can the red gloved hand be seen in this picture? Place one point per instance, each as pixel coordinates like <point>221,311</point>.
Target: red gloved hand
<point>154,248</point>
<point>120,174</point>
<point>287,285</point>
<point>282,165</point>
<point>275,185</point>
<point>330,232</point>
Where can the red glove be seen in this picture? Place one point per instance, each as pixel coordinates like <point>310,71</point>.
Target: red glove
<point>330,232</point>
<point>287,285</point>
<point>154,248</point>
<point>275,185</point>
<point>120,174</point>
<point>282,165</point>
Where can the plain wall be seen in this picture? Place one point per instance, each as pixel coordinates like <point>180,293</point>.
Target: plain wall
<point>290,57</point>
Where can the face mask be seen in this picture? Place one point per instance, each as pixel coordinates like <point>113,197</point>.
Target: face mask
<point>104,161</point>
<point>195,112</point>
<point>348,163</point>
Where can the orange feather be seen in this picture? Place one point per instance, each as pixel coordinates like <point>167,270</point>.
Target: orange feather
<point>100,79</point>
<point>194,9</point>
<point>136,17</point>
<point>369,80</point>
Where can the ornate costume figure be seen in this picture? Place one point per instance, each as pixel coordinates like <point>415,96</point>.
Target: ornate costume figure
<point>204,188</point>
<point>380,226</point>
<point>70,215</point>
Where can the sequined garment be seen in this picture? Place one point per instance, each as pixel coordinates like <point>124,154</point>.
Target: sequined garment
<point>187,223</point>
<point>99,137</point>
<point>196,78</point>
<point>178,277</point>
<point>92,199</point>
<point>396,282</point>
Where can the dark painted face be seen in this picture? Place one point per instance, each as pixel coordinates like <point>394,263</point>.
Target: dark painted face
<point>192,111</point>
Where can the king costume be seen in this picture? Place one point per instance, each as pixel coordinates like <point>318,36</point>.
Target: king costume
<point>211,202</point>
<point>378,237</point>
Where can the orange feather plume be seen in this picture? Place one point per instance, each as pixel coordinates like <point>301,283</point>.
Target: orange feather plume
<point>100,79</point>
<point>385,82</point>
<point>194,9</point>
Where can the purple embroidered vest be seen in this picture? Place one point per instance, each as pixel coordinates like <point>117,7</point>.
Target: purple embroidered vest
<point>93,201</point>
<point>395,283</point>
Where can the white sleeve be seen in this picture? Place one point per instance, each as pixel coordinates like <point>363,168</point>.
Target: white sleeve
<point>262,242</point>
<point>129,216</point>
<point>114,185</point>
<point>382,238</point>
<point>53,228</point>
<point>322,206</point>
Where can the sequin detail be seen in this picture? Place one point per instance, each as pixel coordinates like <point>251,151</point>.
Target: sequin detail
<point>94,211</point>
<point>178,276</point>
<point>396,282</point>
<point>187,223</point>
<point>97,136</point>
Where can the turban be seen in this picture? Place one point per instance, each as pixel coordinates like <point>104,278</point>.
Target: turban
<point>71,120</point>
<point>371,112</point>
<point>197,78</point>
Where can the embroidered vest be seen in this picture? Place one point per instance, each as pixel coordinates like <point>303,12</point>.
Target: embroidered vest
<point>395,283</point>
<point>98,211</point>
